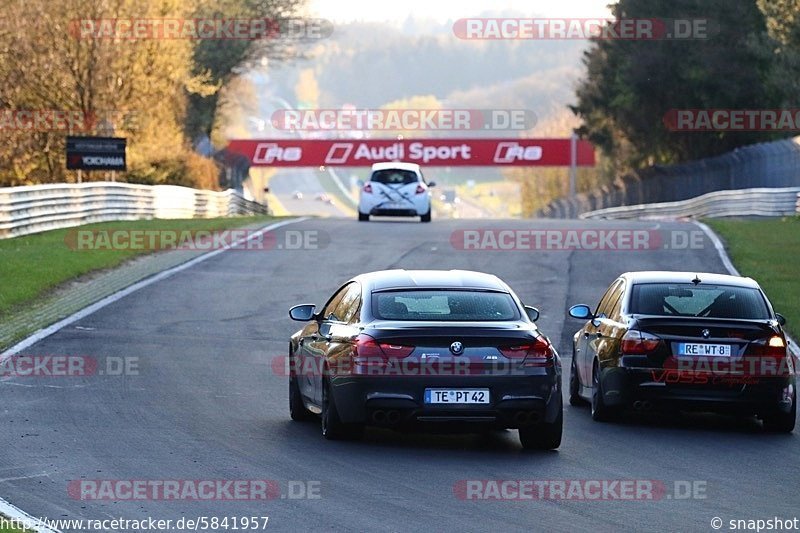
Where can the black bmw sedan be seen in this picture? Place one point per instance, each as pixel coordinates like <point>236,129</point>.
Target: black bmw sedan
<point>688,341</point>
<point>454,349</point>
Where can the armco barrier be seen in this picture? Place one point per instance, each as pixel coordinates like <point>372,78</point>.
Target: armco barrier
<point>37,208</point>
<point>744,202</point>
<point>769,165</point>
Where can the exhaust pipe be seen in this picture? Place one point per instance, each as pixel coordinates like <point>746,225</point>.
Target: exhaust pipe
<point>392,417</point>
<point>646,405</point>
<point>637,405</point>
<point>379,417</point>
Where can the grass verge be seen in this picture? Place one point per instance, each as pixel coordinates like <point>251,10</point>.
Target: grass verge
<point>33,265</point>
<point>6,526</point>
<point>767,251</point>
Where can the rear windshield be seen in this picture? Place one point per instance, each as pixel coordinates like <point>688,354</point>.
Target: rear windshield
<point>394,177</point>
<point>713,301</point>
<point>444,305</point>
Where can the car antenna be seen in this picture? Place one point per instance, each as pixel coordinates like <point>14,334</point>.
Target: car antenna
<point>696,279</point>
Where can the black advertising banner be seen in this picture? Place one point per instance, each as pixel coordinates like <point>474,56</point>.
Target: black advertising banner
<point>96,153</point>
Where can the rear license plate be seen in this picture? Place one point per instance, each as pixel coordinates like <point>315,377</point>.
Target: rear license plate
<point>457,396</point>
<point>704,350</point>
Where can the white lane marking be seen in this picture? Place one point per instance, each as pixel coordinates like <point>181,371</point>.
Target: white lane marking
<point>726,261</point>
<point>108,300</point>
<point>723,254</point>
<point>13,511</point>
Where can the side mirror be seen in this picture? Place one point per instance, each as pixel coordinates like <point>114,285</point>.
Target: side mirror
<point>431,184</point>
<point>302,313</point>
<point>532,312</point>
<point>581,311</point>
<point>781,319</point>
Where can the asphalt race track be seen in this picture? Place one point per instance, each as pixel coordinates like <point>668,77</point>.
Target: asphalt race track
<point>207,405</point>
<point>286,183</point>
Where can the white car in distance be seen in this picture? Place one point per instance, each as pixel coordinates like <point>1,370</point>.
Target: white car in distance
<point>395,189</point>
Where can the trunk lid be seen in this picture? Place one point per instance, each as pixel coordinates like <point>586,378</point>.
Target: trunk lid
<point>465,348</point>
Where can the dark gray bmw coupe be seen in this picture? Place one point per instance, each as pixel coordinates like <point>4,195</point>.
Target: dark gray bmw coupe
<point>455,349</point>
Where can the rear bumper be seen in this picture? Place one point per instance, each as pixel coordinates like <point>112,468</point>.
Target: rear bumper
<point>513,401</point>
<point>395,212</point>
<point>703,392</point>
<point>415,207</point>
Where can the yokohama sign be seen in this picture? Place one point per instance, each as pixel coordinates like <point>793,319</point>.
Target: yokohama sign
<point>432,152</point>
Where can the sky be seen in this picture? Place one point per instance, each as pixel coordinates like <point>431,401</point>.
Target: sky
<point>442,10</point>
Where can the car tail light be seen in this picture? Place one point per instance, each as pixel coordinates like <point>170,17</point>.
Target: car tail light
<point>538,353</point>
<point>772,358</point>
<point>775,347</point>
<point>367,188</point>
<point>368,351</point>
<point>777,342</point>
<point>420,189</point>
<point>636,342</point>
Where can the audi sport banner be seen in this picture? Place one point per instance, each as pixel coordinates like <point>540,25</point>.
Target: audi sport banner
<point>431,152</point>
<point>96,153</point>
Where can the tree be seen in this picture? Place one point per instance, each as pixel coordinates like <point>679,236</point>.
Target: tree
<point>307,89</point>
<point>781,46</point>
<point>58,56</point>
<point>630,85</point>
<point>216,62</point>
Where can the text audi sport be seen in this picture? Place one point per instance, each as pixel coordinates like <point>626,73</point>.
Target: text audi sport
<point>398,348</point>
<point>691,341</point>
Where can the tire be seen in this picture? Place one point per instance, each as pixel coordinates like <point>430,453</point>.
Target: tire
<point>574,385</point>
<point>782,422</point>
<point>544,436</point>
<point>426,217</point>
<point>297,409</point>
<point>332,426</point>
<point>362,217</point>
<point>600,411</point>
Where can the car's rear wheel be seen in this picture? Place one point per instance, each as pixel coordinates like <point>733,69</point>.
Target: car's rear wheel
<point>600,411</point>
<point>363,217</point>
<point>297,409</point>
<point>781,422</point>
<point>544,436</point>
<point>332,426</point>
<point>574,385</point>
<point>426,217</point>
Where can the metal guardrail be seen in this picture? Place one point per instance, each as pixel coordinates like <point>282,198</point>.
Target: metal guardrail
<point>743,202</point>
<point>37,208</point>
<point>771,164</point>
